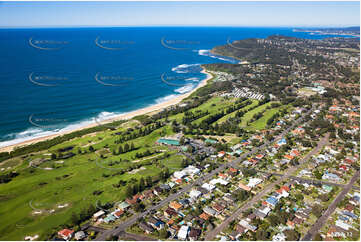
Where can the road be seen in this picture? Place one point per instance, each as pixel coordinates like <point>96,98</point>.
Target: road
<point>308,180</point>
<point>136,237</point>
<point>122,227</point>
<point>323,219</point>
<point>211,234</point>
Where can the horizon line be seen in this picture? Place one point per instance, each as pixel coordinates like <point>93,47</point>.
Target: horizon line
<point>150,26</point>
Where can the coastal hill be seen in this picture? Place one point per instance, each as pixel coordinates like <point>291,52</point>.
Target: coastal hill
<point>281,50</point>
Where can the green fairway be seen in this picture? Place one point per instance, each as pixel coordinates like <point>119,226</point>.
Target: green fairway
<point>248,116</point>
<point>231,115</point>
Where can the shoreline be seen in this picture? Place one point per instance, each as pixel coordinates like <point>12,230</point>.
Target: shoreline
<point>126,116</point>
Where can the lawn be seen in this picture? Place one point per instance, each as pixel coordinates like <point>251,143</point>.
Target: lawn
<point>231,115</point>
<point>262,122</point>
<point>248,116</point>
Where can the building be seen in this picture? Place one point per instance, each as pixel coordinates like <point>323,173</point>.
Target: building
<point>183,233</point>
<point>279,237</point>
<point>254,182</point>
<point>98,214</point>
<point>330,176</point>
<point>210,211</point>
<point>168,142</point>
<point>194,234</point>
<point>146,228</point>
<point>66,233</point>
<point>244,187</point>
<point>79,235</point>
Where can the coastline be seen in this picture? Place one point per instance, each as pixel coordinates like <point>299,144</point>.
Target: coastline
<point>126,116</point>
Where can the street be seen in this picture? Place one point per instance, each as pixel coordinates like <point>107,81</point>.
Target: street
<point>323,219</point>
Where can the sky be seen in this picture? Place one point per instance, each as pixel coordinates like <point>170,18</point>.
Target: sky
<point>265,14</point>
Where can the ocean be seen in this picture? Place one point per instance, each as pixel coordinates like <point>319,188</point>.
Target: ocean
<point>59,79</point>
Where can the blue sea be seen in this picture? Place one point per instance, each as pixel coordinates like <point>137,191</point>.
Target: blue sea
<point>59,79</point>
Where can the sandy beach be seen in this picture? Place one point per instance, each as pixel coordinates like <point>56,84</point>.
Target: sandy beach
<point>151,109</point>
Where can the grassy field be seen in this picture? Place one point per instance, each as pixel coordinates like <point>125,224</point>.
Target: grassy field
<point>262,122</point>
<point>231,115</point>
<point>248,116</point>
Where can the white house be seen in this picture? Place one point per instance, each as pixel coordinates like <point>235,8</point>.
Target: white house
<point>207,186</point>
<point>279,237</point>
<point>254,182</point>
<point>183,232</point>
<point>194,194</point>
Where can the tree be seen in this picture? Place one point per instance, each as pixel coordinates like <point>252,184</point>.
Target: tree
<point>317,174</point>
<point>74,219</point>
<point>163,233</point>
<point>318,237</point>
<point>317,210</point>
<point>261,234</point>
<point>91,148</point>
<point>274,220</point>
<point>53,156</point>
<point>129,191</point>
<point>149,181</point>
<point>141,184</point>
<point>120,149</point>
<point>138,207</point>
<point>292,235</point>
<point>126,148</point>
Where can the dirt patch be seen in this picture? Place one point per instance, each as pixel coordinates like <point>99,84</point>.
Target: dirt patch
<point>136,170</point>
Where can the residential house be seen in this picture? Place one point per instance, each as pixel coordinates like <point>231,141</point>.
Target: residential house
<point>194,233</point>
<point>183,233</point>
<point>194,194</point>
<point>271,201</point>
<point>330,176</point>
<point>204,216</point>
<point>156,223</point>
<point>123,206</point>
<point>248,226</point>
<point>170,212</point>
<point>98,214</point>
<point>175,205</point>
<point>254,182</point>
<point>66,233</point>
<point>279,237</point>
<point>146,228</point>
<point>79,235</point>
<point>262,212</point>
<point>244,187</point>
<point>219,208</point>
<point>210,211</point>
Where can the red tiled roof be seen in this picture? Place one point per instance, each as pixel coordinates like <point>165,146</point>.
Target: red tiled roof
<point>65,232</point>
